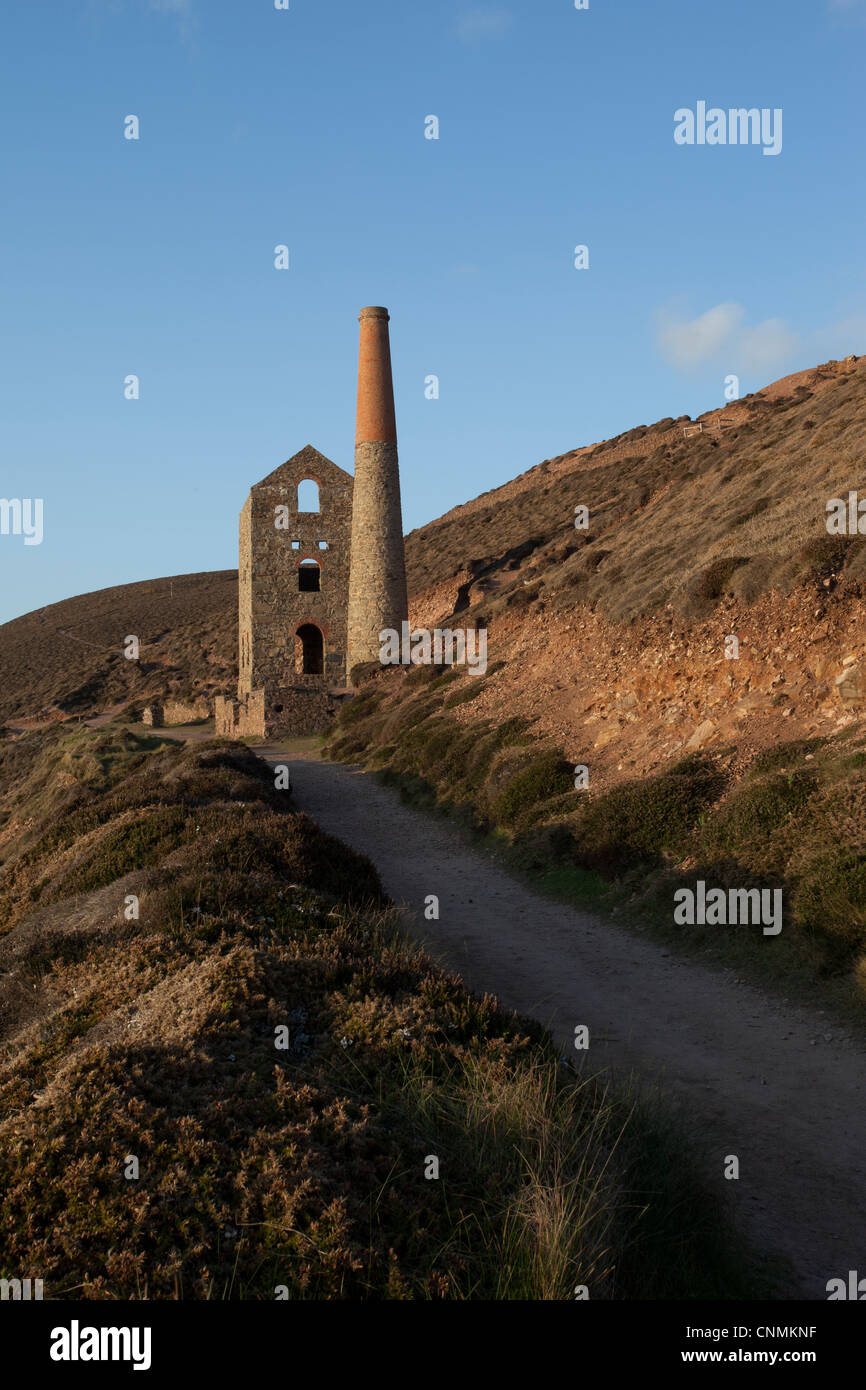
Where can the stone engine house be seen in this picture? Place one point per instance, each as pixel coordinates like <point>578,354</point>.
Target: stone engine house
<point>321,568</point>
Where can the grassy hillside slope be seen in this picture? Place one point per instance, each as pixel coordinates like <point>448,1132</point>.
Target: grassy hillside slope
<point>673,517</point>
<point>67,659</point>
<point>155,1142</point>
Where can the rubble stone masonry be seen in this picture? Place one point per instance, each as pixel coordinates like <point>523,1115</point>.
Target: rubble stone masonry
<point>275,692</point>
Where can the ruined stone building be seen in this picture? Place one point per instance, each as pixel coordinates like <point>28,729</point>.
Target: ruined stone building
<point>321,569</point>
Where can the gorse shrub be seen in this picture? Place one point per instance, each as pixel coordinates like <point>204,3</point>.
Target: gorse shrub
<point>649,819</point>
<point>144,841</point>
<point>830,901</point>
<point>539,778</point>
<point>748,826</point>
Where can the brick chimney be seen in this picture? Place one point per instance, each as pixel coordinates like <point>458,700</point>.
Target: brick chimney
<point>377,578</point>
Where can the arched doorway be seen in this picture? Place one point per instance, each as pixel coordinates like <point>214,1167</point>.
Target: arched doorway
<point>309,651</point>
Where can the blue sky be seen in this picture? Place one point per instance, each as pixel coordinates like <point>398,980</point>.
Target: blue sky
<point>306,127</point>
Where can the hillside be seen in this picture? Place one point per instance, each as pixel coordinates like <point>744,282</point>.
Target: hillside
<point>666,504</point>
<point>613,642</point>
<point>223,1071</point>
<point>67,659</point>
<point>699,653</point>
<point>677,521</point>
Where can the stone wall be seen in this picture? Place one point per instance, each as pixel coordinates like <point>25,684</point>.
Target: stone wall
<point>175,712</point>
<point>277,713</point>
<point>377,586</point>
<point>240,718</point>
<point>271,605</point>
<point>245,599</point>
<point>298,710</point>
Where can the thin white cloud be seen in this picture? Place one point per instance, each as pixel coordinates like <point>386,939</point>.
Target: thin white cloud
<point>690,343</point>
<point>475,25</point>
<point>722,337</point>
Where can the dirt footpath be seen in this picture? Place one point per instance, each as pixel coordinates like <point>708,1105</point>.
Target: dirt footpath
<point>790,1110</point>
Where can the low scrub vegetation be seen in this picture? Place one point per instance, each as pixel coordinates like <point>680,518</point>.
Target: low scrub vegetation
<point>236,1089</point>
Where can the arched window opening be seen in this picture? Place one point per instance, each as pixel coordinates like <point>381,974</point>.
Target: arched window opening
<point>309,577</point>
<point>309,651</point>
<point>308,496</point>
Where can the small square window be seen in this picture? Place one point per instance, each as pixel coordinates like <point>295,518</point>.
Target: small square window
<point>296,545</point>
<point>323,545</point>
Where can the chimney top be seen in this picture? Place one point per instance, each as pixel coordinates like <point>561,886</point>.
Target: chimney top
<point>375,421</point>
